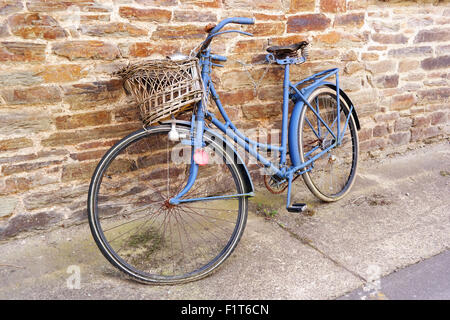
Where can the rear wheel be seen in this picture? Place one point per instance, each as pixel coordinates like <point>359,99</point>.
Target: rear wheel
<point>140,232</point>
<point>332,175</point>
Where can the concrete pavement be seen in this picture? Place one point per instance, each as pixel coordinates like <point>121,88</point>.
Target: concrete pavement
<point>397,215</point>
<point>426,280</point>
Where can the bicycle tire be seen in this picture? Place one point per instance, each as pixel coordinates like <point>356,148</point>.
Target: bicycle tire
<point>237,211</point>
<point>322,168</point>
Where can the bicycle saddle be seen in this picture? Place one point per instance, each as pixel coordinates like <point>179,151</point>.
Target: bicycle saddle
<point>281,52</point>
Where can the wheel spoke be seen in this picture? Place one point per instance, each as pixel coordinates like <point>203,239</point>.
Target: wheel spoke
<point>333,173</point>
<point>142,233</point>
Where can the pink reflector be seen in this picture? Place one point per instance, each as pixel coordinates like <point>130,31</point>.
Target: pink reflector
<point>201,157</point>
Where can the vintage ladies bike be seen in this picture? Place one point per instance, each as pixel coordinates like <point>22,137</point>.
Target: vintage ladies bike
<point>168,203</point>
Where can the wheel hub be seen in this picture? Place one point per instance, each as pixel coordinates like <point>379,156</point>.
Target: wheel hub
<point>168,205</point>
<point>327,143</point>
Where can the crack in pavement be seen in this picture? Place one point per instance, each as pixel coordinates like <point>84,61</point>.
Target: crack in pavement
<point>309,243</point>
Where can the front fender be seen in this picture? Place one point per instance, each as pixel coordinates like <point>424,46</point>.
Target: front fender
<point>248,183</point>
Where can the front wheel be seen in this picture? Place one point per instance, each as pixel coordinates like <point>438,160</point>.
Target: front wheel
<point>332,175</point>
<point>136,227</point>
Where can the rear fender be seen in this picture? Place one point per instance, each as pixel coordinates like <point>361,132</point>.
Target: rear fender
<point>348,101</point>
<point>295,117</point>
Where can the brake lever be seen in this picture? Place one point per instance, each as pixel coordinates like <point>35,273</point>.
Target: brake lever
<point>229,31</point>
<point>208,39</point>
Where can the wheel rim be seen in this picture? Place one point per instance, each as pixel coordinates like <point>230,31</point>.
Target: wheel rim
<point>332,175</point>
<point>155,240</point>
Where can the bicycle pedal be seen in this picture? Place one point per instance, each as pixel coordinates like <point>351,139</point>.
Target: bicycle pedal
<point>297,207</point>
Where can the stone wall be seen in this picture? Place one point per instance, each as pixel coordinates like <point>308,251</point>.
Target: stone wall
<point>60,110</point>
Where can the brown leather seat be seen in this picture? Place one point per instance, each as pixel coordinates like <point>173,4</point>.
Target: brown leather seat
<point>281,52</point>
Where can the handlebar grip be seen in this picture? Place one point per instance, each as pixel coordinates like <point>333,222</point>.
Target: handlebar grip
<point>218,57</point>
<point>239,20</point>
<point>244,21</point>
<point>209,27</point>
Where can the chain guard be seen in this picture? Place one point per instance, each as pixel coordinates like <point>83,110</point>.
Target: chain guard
<point>273,185</point>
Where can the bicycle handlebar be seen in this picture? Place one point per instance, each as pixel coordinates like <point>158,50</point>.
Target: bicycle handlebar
<point>215,31</point>
<point>238,20</point>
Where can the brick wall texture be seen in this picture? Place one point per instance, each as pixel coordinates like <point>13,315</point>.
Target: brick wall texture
<point>60,110</point>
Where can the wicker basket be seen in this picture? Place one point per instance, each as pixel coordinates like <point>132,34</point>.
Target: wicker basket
<point>163,88</point>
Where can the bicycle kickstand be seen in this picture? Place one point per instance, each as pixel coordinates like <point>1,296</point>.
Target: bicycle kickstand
<point>295,207</point>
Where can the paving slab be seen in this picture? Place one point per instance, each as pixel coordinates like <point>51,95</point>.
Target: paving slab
<point>426,280</point>
<point>397,215</point>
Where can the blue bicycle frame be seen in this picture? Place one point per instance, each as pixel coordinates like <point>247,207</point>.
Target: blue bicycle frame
<point>291,91</point>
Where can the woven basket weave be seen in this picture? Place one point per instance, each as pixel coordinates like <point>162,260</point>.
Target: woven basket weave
<point>163,88</point>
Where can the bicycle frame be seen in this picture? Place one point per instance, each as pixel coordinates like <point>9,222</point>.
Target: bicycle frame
<point>156,234</point>
<point>290,92</point>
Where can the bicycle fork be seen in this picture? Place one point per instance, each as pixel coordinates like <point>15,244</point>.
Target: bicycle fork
<point>196,142</point>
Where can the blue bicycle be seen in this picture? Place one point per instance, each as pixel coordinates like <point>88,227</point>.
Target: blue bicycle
<point>168,203</point>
